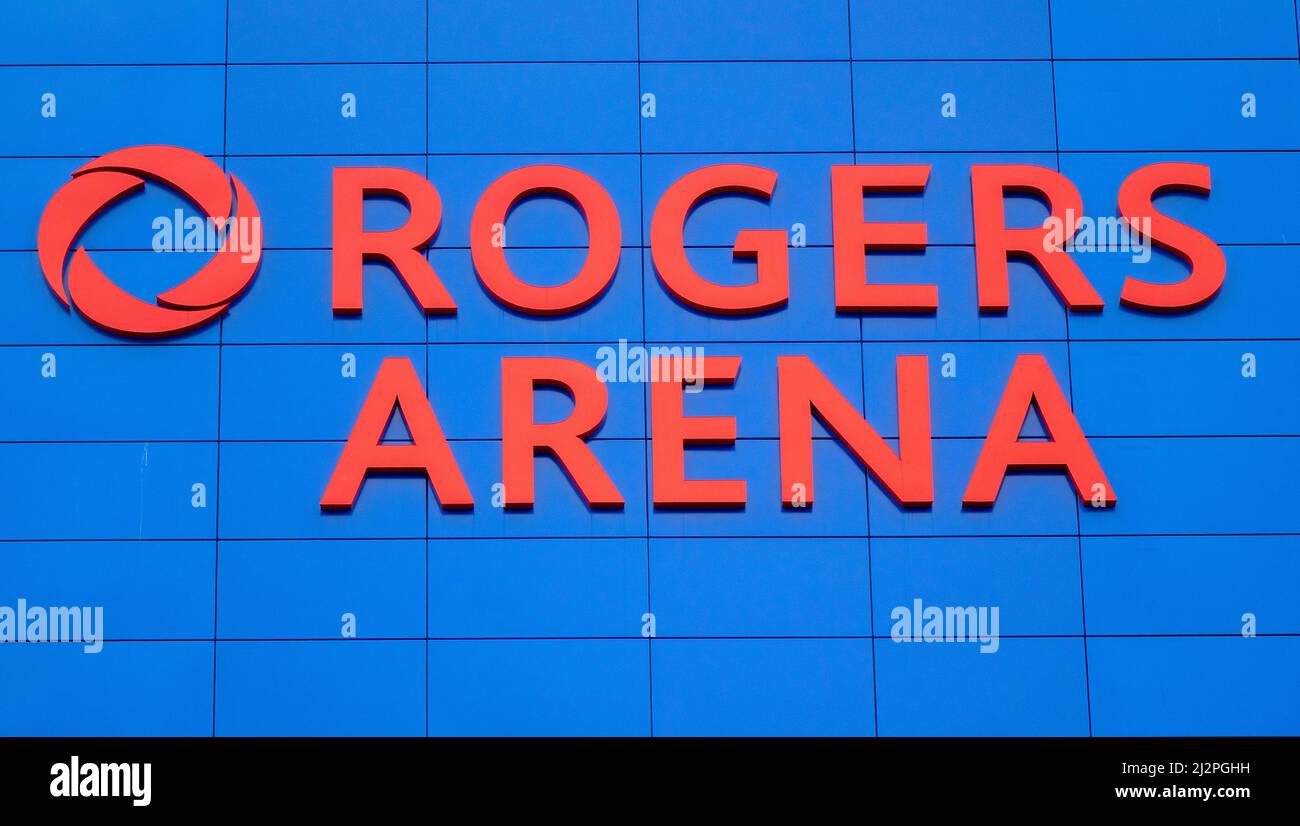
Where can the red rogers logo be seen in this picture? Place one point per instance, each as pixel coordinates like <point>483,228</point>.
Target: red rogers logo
<point>192,303</point>
<point>804,393</point>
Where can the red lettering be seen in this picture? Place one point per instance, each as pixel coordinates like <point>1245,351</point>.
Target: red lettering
<point>672,432</point>
<point>603,244</point>
<point>401,248</point>
<point>1032,383</point>
<point>396,387</point>
<point>769,246</point>
<point>522,438</point>
<point>1202,255</point>
<point>852,237</point>
<point>995,243</point>
<point>803,391</point>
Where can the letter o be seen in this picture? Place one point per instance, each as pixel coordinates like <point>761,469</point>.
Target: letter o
<point>603,245</point>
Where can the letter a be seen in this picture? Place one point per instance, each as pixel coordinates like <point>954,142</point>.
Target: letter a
<point>1032,383</point>
<point>396,387</point>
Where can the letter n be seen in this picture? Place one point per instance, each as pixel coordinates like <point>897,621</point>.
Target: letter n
<point>803,390</point>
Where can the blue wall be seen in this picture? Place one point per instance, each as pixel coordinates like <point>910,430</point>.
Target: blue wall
<point>225,619</point>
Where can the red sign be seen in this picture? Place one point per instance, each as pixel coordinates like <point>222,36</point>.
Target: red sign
<point>804,393</point>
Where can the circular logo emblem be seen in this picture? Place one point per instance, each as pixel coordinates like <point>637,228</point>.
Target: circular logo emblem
<point>192,303</point>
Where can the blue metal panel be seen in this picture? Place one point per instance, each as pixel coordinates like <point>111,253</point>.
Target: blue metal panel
<point>176,483</point>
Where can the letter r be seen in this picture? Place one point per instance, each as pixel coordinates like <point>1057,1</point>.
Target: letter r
<point>401,248</point>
